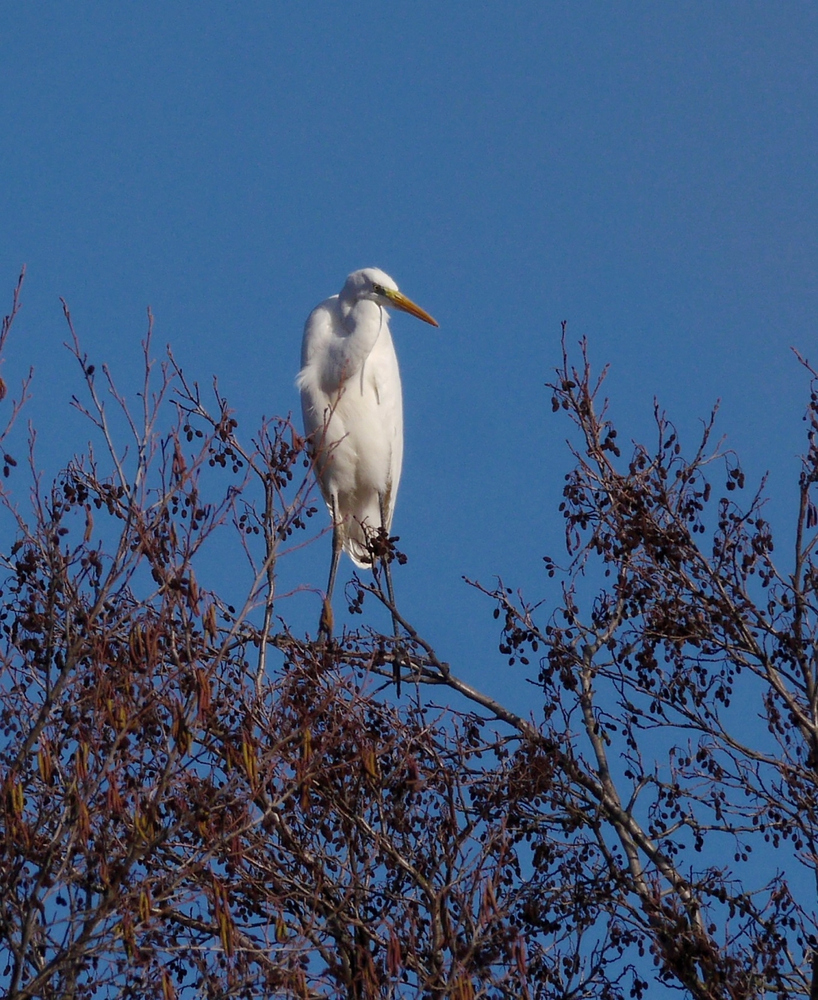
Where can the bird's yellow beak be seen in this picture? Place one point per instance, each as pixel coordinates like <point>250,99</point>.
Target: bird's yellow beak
<point>399,301</point>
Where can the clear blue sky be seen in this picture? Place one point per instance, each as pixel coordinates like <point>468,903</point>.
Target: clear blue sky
<point>646,172</point>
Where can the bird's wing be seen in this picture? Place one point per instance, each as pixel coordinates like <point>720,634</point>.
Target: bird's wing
<point>312,379</point>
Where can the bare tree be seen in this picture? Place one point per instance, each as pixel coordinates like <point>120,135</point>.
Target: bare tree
<point>196,802</point>
<point>678,674</point>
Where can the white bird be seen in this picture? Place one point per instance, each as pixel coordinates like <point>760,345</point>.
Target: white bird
<point>353,413</point>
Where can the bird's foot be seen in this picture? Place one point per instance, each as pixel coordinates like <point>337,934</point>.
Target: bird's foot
<point>400,659</point>
<point>326,621</point>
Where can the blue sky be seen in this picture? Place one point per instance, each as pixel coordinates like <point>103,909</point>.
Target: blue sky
<point>646,172</point>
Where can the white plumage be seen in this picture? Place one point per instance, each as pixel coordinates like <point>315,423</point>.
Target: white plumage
<point>353,408</point>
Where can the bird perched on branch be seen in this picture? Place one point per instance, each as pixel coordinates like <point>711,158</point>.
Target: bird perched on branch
<point>353,414</point>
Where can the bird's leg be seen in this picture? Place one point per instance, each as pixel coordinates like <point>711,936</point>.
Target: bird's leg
<point>397,660</point>
<point>325,624</point>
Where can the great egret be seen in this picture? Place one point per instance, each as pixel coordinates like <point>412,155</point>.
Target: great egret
<point>353,413</point>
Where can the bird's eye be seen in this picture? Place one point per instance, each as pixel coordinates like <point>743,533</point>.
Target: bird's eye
<point>379,289</point>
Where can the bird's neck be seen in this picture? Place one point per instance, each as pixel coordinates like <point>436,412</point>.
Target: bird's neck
<point>359,326</point>
<point>362,323</point>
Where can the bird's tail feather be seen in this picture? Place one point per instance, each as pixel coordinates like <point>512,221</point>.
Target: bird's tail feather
<point>358,552</point>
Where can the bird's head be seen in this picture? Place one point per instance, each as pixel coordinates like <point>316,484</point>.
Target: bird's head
<point>374,285</point>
